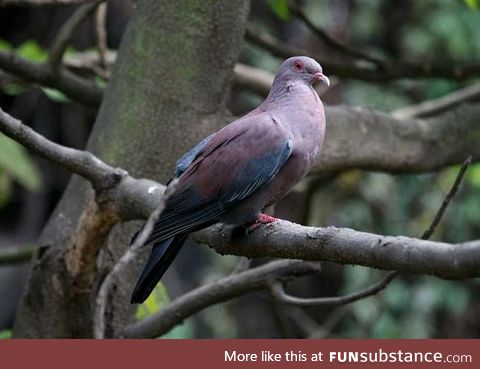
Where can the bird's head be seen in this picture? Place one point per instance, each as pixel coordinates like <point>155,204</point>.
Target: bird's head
<point>302,68</point>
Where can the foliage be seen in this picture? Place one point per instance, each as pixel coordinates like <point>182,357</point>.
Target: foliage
<point>473,4</point>
<point>158,299</point>
<point>5,334</point>
<point>55,95</point>
<point>33,52</point>
<point>16,165</point>
<point>280,8</point>
<point>154,303</point>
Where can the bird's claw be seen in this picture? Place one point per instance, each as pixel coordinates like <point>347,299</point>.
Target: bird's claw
<point>261,219</point>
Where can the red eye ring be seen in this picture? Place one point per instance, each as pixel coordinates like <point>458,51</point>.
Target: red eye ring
<point>298,65</point>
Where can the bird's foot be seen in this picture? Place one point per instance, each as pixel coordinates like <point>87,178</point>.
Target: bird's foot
<point>261,219</point>
<point>265,219</point>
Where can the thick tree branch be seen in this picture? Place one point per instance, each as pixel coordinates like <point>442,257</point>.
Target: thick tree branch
<point>219,291</point>
<point>252,78</point>
<point>75,87</point>
<point>283,239</point>
<point>359,138</point>
<point>279,293</point>
<point>365,139</point>
<point>128,257</point>
<point>357,70</point>
<point>137,198</point>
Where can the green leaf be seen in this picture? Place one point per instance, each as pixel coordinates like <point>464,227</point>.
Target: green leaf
<point>5,334</point>
<point>473,175</point>
<point>154,302</point>
<point>15,161</point>
<point>32,51</point>
<point>100,82</point>
<point>5,46</point>
<point>280,8</point>
<point>473,4</point>
<point>13,89</point>
<point>55,95</point>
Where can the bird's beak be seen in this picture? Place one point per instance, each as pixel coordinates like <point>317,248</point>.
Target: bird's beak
<point>321,77</point>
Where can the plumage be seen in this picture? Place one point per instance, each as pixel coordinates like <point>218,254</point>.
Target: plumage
<point>253,162</point>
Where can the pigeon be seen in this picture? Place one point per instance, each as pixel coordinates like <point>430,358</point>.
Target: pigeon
<point>238,171</point>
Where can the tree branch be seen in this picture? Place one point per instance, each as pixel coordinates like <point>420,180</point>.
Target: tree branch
<point>446,201</point>
<point>359,138</point>
<point>101,28</point>
<point>365,139</point>
<point>279,293</point>
<point>254,79</point>
<point>436,106</point>
<point>131,253</point>
<point>283,239</point>
<point>356,70</point>
<point>16,255</point>
<point>79,162</point>
<point>60,43</point>
<point>137,198</point>
<point>219,291</point>
<point>330,41</point>
<point>75,87</point>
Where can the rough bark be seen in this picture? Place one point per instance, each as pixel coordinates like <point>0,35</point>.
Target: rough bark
<point>360,138</point>
<point>168,89</point>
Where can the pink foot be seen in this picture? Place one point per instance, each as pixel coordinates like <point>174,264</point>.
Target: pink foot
<point>261,219</point>
<point>265,219</point>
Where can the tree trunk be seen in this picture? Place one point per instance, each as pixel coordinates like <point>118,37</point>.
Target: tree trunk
<point>168,90</point>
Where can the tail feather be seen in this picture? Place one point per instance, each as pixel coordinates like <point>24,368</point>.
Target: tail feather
<point>161,256</point>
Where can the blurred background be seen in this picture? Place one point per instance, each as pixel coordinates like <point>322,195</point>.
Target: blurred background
<point>411,307</point>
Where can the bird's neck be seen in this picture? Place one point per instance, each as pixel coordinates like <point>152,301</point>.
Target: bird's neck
<point>293,91</point>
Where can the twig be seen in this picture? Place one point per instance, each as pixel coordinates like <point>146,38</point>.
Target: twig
<point>16,255</point>
<point>242,265</point>
<point>279,293</point>
<point>436,106</point>
<point>80,162</point>
<point>60,43</point>
<point>389,71</point>
<point>101,28</point>
<point>119,267</point>
<point>219,291</point>
<point>446,201</point>
<point>330,41</point>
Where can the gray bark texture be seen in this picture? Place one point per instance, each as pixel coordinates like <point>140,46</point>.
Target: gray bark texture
<point>360,138</point>
<point>168,90</point>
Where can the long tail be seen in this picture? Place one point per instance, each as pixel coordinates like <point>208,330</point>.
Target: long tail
<point>160,259</point>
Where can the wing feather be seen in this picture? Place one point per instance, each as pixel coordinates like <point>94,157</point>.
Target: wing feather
<point>219,173</point>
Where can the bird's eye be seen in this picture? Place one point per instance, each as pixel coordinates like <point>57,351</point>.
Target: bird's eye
<point>298,65</point>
